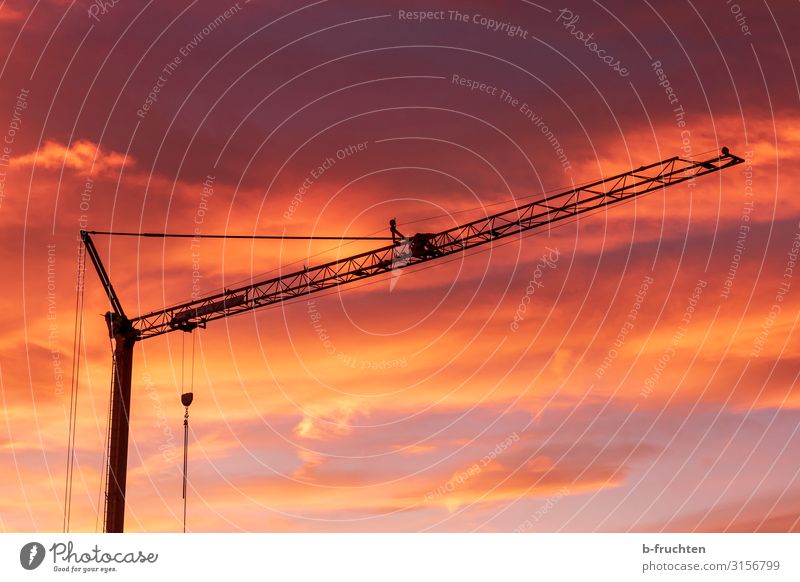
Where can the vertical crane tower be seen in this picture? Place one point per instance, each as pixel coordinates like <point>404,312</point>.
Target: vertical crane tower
<point>420,248</point>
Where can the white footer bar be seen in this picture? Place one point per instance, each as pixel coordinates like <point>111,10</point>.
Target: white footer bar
<point>400,557</point>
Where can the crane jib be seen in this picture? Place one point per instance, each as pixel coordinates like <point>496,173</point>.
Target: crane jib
<point>423,247</point>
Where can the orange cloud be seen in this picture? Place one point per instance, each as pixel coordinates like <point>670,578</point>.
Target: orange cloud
<point>83,156</point>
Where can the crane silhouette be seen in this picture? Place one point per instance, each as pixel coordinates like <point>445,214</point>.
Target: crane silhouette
<point>404,252</point>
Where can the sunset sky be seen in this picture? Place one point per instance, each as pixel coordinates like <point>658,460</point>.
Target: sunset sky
<point>648,381</point>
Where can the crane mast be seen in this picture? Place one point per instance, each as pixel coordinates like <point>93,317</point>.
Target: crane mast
<point>404,252</point>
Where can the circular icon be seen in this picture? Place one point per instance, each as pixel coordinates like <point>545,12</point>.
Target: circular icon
<point>31,555</point>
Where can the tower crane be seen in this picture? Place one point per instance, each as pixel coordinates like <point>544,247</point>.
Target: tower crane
<point>402,253</point>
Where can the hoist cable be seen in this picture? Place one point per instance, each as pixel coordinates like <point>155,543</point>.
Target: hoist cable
<point>185,461</point>
<point>186,400</point>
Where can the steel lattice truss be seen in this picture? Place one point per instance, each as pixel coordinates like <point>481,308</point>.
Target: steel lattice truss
<point>538,214</point>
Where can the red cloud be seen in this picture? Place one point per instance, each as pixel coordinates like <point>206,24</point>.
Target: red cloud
<point>8,14</point>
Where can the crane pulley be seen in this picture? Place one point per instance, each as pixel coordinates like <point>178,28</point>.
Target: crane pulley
<point>403,252</point>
